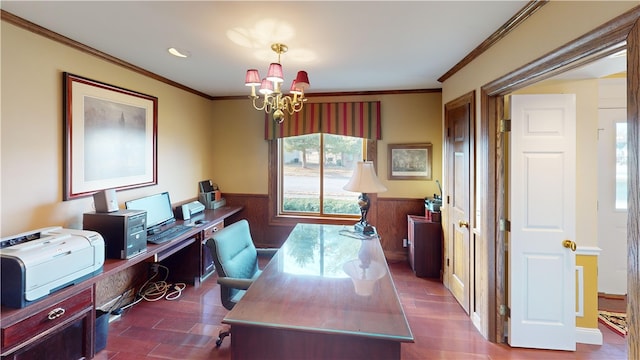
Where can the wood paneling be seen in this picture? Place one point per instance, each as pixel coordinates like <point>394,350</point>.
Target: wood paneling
<point>389,216</point>
<point>392,224</point>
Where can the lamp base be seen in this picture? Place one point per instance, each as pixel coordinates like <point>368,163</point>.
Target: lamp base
<point>364,228</point>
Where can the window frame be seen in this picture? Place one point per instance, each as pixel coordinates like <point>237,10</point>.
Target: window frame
<point>292,219</point>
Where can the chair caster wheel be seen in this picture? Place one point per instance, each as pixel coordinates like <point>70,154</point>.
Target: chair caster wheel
<point>218,342</point>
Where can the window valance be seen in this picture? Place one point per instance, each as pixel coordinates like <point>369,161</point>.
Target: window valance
<point>359,119</point>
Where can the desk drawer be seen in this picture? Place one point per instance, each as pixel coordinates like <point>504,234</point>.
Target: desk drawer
<point>208,232</point>
<point>46,319</point>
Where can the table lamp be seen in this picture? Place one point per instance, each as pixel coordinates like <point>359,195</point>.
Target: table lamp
<point>364,181</point>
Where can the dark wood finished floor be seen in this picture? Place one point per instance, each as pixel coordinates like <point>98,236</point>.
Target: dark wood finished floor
<point>187,328</point>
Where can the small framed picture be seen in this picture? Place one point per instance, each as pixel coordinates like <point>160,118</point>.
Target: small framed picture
<point>409,161</point>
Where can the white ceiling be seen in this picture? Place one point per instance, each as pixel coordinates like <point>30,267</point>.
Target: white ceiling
<point>344,45</point>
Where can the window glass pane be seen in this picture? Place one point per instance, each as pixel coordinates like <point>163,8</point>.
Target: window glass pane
<point>301,173</point>
<point>314,168</point>
<point>341,154</point>
<point>621,166</point>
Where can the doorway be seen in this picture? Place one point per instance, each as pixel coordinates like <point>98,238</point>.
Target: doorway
<point>601,42</point>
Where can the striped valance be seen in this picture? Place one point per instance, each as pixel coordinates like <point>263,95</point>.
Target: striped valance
<point>359,119</point>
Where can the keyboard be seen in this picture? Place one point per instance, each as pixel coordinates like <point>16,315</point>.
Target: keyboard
<point>168,234</point>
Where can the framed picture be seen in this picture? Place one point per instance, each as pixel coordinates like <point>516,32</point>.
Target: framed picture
<point>110,137</point>
<point>409,161</point>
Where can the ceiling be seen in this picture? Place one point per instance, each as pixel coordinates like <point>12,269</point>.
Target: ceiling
<point>345,46</point>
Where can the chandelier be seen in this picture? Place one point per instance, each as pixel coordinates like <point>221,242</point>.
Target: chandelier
<point>273,101</point>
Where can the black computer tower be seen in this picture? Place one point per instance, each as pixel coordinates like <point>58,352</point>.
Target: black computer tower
<point>124,231</point>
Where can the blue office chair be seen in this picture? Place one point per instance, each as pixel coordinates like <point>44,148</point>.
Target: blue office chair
<point>236,262</point>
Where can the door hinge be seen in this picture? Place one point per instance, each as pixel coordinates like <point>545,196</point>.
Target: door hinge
<point>447,262</point>
<point>505,125</point>
<point>505,225</point>
<point>504,310</point>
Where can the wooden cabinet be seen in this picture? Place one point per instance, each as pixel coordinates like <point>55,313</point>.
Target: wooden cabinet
<point>207,267</point>
<point>58,327</point>
<point>425,246</point>
<point>61,326</point>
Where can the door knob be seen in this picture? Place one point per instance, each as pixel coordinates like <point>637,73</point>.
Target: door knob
<point>463,223</point>
<point>569,244</point>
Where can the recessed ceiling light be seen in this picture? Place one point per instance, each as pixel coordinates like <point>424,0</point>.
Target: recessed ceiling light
<point>178,53</point>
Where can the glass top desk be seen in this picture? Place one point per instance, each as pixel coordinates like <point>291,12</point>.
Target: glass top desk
<point>326,294</point>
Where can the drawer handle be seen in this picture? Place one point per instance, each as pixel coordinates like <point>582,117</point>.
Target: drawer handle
<point>55,313</point>
<point>215,228</point>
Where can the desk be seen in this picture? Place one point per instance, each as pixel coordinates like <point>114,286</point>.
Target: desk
<point>30,332</point>
<point>304,305</point>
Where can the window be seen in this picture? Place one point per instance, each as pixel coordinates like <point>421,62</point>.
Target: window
<point>312,169</point>
<point>621,166</point>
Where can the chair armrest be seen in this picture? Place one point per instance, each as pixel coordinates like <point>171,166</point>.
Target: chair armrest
<point>267,252</point>
<point>236,283</point>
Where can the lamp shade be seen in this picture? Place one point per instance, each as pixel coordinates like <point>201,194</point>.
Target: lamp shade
<point>302,81</point>
<point>294,89</point>
<point>364,179</point>
<point>252,78</point>
<point>275,73</point>
<point>266,88</point>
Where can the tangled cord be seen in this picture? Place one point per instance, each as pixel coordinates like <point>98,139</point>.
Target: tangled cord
<point>158,290</point>
<point>154,291</point>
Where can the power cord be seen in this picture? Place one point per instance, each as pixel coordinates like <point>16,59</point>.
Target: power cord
<point>157,290</point>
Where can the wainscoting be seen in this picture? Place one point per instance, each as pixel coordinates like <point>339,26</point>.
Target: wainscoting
<point>388,215</point>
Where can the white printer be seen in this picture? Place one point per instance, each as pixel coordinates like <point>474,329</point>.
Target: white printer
<point>37,263</point>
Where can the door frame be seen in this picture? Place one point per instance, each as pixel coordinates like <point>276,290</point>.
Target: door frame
<point>596,44</point>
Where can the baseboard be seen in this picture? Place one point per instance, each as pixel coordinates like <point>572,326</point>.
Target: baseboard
<point>612,296</point>
<point>592,336</point>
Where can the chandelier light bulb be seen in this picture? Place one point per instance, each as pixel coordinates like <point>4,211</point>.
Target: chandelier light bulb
<point>272,100</point>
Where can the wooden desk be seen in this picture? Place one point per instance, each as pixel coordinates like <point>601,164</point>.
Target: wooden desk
<point>30,332</point>
<point>314,300</point>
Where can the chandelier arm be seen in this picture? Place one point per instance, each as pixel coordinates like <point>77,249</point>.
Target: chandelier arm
<point>274,101</point>
<point>298,105</point>
<point>255,103</point>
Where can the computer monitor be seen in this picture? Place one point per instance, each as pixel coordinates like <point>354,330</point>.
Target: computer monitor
<point>158,208</point>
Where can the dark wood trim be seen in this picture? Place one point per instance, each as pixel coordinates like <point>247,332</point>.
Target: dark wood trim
<point>290,221</point>
<point>37,29</point>
<point>511,24</point>
<point>487,159</point>
<point>596,44</point>
<point>633,217</point>
<point>312,95</point>
<point>604,40</point>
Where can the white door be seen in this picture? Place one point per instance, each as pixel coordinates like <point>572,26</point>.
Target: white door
<point>542,213</point>
<point>612,201</point>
